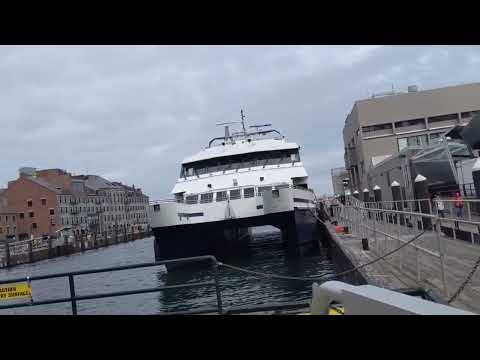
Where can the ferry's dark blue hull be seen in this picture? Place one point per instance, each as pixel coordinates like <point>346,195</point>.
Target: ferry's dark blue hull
<point>229,238</point>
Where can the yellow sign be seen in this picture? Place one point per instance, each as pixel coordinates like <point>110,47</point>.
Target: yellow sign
<point>15,291</point>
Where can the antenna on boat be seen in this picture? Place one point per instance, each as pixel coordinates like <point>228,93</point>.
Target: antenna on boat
<point>243,122</point>
<point>227,130</point>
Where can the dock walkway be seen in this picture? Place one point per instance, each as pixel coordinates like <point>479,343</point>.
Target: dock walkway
<point>412,266</point>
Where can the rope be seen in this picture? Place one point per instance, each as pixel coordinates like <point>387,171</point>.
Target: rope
<point>313,278</point>
<point>465,282</point>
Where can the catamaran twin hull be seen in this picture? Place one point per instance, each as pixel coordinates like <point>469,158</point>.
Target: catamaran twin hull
<point>220,228</point>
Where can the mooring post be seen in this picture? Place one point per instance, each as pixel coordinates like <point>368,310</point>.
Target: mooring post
<point>30,251</point>
<point>7,253</point>
<point>49,246</point>
<point>65,245</point>
<point>377,195</point>
<point>397,201</point>
<point>422,195</point>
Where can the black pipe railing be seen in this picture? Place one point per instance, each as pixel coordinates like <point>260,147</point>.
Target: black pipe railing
<point>73,299</point>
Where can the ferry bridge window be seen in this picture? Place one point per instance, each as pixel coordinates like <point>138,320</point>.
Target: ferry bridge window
<point>241,161</point>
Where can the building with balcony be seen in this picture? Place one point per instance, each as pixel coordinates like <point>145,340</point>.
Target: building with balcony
<point>381,127</point>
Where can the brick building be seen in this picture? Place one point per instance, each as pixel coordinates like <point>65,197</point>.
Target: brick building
<point>52,199</point>
<point>35,201</point>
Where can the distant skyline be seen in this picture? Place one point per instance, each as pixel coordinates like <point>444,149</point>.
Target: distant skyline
<point>132,113</point>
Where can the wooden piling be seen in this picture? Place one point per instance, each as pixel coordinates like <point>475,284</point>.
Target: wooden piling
<point>30,251</point>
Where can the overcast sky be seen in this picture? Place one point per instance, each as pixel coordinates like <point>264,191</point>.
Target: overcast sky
<point>132,113</point>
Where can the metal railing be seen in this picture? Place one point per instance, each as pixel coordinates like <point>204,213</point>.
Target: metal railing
<point>74,299</point>
<point>386,225</point>
<point>465,218</point>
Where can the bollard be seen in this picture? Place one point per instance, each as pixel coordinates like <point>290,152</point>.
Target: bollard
<point>397,198</point>
<point>377,195</point>
<point>65,245</point>
<point>365,244</point>
<point>356,195</point>
<point>421,192</point>
<point>49,247</point>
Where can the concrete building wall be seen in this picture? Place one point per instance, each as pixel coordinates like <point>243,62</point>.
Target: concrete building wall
<point>427,103</point>
<point>338,174</point>
<point>374,126</point>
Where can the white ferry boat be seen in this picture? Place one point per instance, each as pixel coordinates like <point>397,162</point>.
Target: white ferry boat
<point>239,181</point>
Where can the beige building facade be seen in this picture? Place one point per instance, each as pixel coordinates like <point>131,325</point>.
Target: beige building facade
<point>381,127</point>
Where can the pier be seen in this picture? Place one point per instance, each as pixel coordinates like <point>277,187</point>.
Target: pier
<point>32,250</point>
<point>434,261</point>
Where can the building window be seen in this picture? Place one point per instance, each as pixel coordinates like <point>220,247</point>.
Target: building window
<point>381,129</point>
<point>419,140</point>
<point>448,117</point>
<point>13,217</point>
<point>34,225</point>
<point>52,211</point>
<point>44,201</point>
<point>405,123</point>
<point>31,214</point>
<point>29,203</point>
<point>22,215</point>
<point>468,114</point>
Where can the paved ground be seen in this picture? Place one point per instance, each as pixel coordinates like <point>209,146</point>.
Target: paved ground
<point>400,269</point>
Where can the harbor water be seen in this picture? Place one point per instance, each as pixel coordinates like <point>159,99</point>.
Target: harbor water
<point>266,254</point>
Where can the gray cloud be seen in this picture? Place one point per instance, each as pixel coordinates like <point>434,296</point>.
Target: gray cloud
<point>132,113</point>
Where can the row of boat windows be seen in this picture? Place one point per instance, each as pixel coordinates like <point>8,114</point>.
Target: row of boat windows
<point>225,195</point>
<point>241,161</point>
